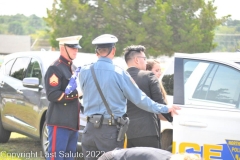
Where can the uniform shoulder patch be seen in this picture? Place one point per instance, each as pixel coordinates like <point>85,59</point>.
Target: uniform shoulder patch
<point>53,80</point>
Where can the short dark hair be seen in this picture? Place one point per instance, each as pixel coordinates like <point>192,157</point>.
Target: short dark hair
<point>130,51</point>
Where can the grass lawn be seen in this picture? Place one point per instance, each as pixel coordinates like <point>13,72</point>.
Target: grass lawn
<point>20,147</point>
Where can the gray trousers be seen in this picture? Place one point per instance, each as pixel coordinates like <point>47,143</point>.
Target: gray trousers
<point>96,141</point>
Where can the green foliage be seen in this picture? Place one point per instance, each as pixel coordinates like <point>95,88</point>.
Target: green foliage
<point>21,25</point>
<point>68,19</point>
<point>163,26</point>
<point>15,28</point>
<point>228,36</point>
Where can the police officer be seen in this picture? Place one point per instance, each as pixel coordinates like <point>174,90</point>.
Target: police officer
<point>117,86</point>
<point>62,116</point>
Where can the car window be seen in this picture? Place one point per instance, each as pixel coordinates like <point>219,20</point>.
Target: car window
<point>34,70</point>
<point>167,79</point>
<point>19,68</point>
<point>8,66</point>
<point>237,62</point>
<point>215,83</point>
<point>189,67</point>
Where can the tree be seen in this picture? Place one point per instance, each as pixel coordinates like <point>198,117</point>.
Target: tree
<point>163,26</point>
<point>19,24</point>
<point>16,28</point>
<point>67,19</point>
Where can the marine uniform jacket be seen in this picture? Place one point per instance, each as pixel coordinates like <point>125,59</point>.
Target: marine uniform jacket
<point>63,110</point>
<point>143,123</point>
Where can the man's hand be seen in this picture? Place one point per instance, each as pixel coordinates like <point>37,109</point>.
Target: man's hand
<point>173,110</point>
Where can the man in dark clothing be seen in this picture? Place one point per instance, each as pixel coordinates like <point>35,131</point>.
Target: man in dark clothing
<point>137,153</point>
<point>144,126</point>
<point>62,115</point>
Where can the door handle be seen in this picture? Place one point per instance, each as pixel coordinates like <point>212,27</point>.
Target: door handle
<point>19,91</point>
<point>193,124</point>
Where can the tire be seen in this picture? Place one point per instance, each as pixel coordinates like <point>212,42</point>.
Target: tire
<point>44,139</point>
<point>4,134</point>
<point>166,139</point>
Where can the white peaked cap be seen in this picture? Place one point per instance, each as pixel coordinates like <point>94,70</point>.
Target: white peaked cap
<point>73,41</point>
<point>105,39</point>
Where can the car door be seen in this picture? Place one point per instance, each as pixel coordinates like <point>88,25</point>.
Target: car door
<point>6,91</point>
<point>208,123</point>
<point>13,109</point>
<point>32,98</point>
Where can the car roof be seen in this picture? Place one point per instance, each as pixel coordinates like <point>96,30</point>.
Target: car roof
<point>48,57</point>
<point>221,56</point>
<point>40,54</point>
<point>83,58</point>
<point>228,58</point>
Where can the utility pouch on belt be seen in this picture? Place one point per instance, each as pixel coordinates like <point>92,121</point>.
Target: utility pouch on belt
<point>123,127</point>
<point>97,120</point>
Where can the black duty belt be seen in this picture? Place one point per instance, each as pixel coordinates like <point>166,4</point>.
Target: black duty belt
<point>104,121</point>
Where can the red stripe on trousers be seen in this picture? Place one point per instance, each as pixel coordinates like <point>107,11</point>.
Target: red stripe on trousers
<point>54,136</point>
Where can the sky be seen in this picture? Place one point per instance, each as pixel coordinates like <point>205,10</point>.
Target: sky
<point>38,7</point>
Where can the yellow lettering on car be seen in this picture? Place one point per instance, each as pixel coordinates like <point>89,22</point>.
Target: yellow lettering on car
<point>174,147</point>
<point>236,157</point>
<point>207,150</point>
<point>184,145</point>
<point>234,143</point>
<point>235,149</point>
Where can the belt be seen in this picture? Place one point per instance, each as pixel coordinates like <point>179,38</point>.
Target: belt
<point>104,121</point>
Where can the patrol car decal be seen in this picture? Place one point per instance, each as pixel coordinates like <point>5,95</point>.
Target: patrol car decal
<point>234,147</point>
<point>53,80</point>
<point>228,151</point>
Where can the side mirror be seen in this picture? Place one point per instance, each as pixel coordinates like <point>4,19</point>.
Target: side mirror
<point>31,82</point>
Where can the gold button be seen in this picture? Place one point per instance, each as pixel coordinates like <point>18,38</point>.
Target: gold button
<point>72,95</point>
<point>67,96</point>
<point>65,104</point>
<point>68,62</point>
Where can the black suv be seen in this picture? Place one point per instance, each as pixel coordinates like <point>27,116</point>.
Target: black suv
<point>23,102</point>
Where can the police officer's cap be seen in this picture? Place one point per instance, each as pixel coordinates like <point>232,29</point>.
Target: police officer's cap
<point>105,41</point>
<point>72,42</point>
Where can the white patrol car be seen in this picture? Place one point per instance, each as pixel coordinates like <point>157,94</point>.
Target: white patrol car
<point>207,88</point>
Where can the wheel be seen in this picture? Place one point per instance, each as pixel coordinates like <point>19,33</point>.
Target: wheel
<point>44,139</point>
<point>4,134</point>
<point>166,139</point>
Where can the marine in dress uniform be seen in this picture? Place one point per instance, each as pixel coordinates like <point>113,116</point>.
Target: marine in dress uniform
<point>117,86</point>
<point>62,116</point>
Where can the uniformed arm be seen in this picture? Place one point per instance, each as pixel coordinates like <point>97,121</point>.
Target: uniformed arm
<point>53,87</point>
<point>139,98</point>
